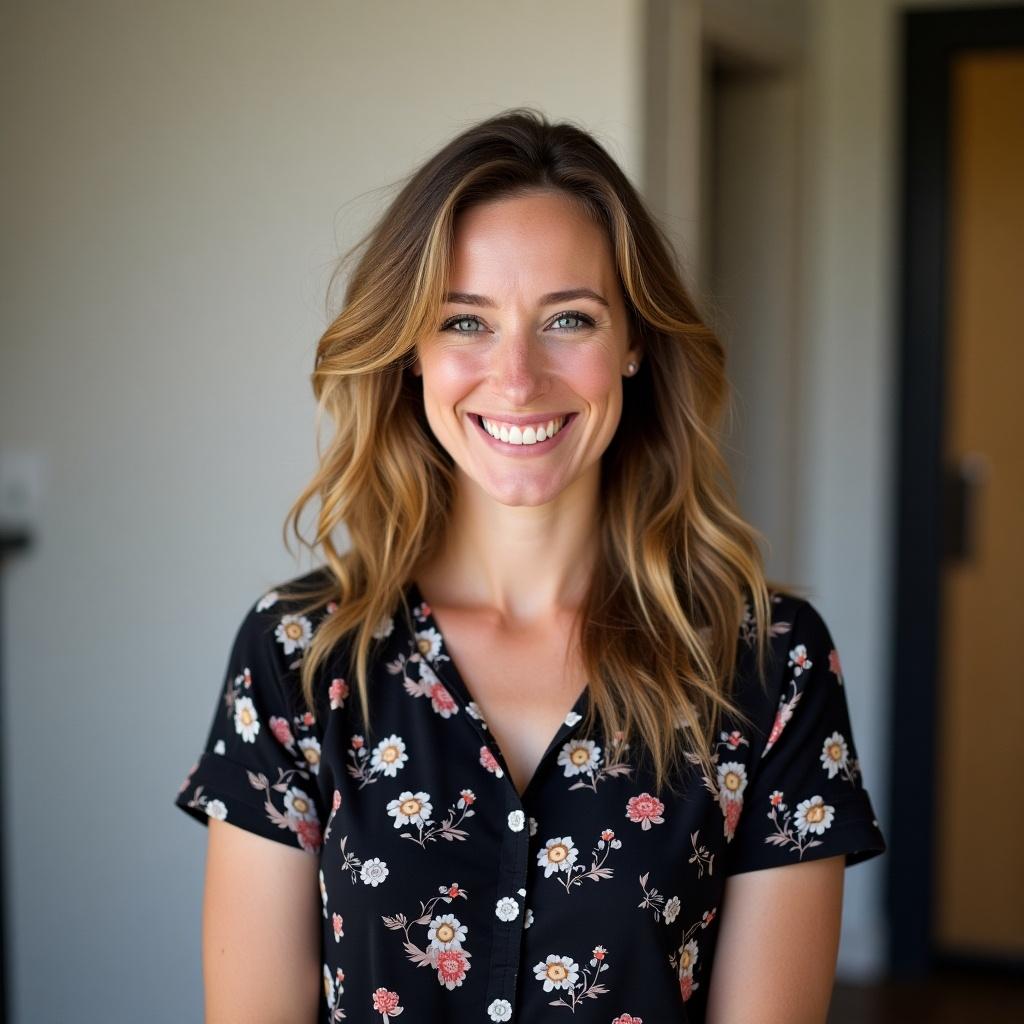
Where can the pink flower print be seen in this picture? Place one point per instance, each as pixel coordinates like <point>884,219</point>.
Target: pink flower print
<point>282,731</point>
<point>336,802</point>
<point>776,797</point>
<point>645,810</point>
<point>385,1002</point>
<point>441,700</point>
<point>626,1018</point>
<point>338,692</point>
<point>732,811</point>
<point>451,967</point>
<point>488,760</point>
<point>452,890</point>
<point>309,833</point>
<point>466,797</point>
<point>308,719</point>
<point>707,917</point>
<point>733,739</point>
<point>357,742</point>
<point>332,607</point>
<point>686,986</point>
<point>337,925</point>
<point>834,665</point>
<point>607,835</point>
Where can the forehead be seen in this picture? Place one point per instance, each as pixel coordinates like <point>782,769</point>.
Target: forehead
<point>529,239</point>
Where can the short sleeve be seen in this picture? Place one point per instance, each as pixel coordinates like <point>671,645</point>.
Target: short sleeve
<point>805,797</point>
<point>259,768</point>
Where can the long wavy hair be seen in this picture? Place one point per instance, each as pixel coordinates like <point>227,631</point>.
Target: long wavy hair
<point>679,576</point>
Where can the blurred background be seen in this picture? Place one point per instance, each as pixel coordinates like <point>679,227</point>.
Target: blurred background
<point>844,180</point>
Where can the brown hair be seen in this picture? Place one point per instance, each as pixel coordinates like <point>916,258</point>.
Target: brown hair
<point>679,573</point>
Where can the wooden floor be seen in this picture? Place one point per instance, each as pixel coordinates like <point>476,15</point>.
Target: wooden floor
<point>949,997</point>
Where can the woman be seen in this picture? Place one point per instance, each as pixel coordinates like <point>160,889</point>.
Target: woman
<point>543,742</point>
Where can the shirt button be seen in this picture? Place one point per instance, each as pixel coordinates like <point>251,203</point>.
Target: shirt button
<point>500,1009</point>
<point>516,821</point>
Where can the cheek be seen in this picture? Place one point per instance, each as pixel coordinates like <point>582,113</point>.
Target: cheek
<point>447,379</point>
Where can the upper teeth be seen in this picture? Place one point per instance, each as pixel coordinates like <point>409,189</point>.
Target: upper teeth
<point>511,434</point>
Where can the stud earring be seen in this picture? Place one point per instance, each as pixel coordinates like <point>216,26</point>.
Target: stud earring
<point>631,368</point>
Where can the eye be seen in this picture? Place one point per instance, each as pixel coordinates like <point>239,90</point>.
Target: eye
<point>585,321</point>
<point>461,318</point>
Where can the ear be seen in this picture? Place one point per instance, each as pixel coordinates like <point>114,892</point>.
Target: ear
<point>416,368</point>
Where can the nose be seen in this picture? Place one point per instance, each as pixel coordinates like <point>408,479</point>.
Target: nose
<point>517,371</point>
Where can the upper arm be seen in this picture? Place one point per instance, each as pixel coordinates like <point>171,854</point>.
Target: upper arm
<point>261,929</point>
<point>778,940</point>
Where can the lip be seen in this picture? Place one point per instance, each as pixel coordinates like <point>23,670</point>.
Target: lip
<point>522,421</point>
<point>519,451</point>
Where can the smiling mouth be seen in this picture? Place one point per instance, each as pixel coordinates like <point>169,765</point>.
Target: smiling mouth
<point>524,437</point>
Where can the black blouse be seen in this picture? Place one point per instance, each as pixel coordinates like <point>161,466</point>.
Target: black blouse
<point>592,897</point>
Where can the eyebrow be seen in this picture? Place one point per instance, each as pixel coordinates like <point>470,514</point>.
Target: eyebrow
<point>472,299</point>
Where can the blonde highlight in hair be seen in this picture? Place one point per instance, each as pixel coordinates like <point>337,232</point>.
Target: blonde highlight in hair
<point>679,575</point>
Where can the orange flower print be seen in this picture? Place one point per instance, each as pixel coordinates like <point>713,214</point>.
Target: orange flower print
<point>645,810</point>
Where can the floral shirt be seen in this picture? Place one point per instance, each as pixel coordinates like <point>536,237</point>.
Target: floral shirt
<point>590,897</point>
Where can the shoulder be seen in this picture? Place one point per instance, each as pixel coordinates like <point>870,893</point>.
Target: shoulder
<point>799,643</point>
<point>278,624</point>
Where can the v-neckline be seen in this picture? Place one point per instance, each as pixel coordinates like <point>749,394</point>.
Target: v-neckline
<point>446,669</point>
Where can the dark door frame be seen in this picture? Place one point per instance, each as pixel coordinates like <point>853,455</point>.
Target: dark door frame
<point>929,41</point>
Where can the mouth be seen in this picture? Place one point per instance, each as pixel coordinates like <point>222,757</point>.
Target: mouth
<point>516,440</point>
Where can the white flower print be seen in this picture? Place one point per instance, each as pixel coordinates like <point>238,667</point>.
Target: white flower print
<point>299,805</point>
<point>516,820</point>
<point>564,974</point>
<point>389,755</point>
<point>267,601</point>
<point>384,628</point>
<point>329,993</point>
<point>559,854</point>
<point>798,659</point>
<point>557,972</point>
<point>247,722</point>
<point>323,891</point>
<point>688,958</point>
<point>579,756</point>
<point>294,633</point>
<point>310,749</point>
<point>528,920</point>
<point>216,809</point>
<point>219,748</point>
<point>672,909</point>
<point>507,909</point>
<point>835,757</point>
<point>572,718</point>
<point>732,780</point>
<point>446,932</point>
<point>373,872</point>
<point>499,1010</point>
<point>533,825</point>
<point>834,754</point>
<point>411,808</point>
<point>813,815</point>
<point>428,642</point>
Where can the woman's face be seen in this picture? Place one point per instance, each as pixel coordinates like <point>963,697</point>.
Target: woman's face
<point>534,331</point>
